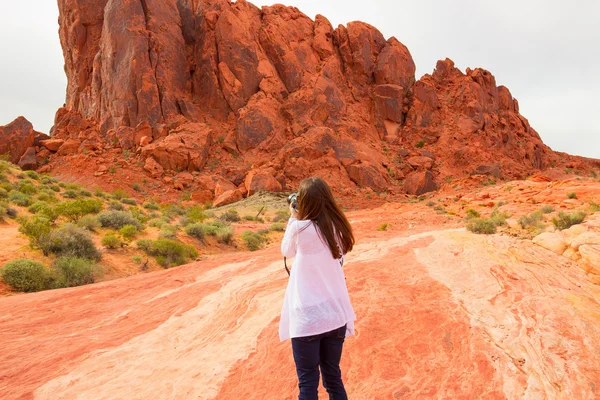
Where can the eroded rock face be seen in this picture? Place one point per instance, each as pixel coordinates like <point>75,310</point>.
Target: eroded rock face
<point>266,80</point>
<point>16,138</point>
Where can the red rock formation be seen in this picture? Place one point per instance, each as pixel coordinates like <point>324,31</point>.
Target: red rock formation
<point>16,138</point>
<point>273,86</point>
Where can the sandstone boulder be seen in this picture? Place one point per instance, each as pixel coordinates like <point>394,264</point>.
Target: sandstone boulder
<point>369,175</point>
<point>28,161</point>
<point>153,167</point>
<point>552,241</point>
<point>229,197</point>
<point>420,162</point>
<point>52,144</point>
<point>420,182</point>
<point>223,186</point>
<point>261,180</point>
<point>70,146</point>
<point>16,138</point>
<point>186,148</point>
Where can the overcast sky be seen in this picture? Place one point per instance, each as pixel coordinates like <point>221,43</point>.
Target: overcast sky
<point>547,52</point>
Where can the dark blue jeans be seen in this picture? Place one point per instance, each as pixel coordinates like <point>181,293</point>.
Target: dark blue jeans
<point>324,350</point>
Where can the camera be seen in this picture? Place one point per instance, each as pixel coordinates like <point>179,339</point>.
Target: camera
<point>293,200</point>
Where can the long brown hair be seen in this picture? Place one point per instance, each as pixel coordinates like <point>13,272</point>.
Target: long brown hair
<point>316,203</point>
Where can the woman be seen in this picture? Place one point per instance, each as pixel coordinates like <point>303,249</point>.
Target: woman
<point>317,314</point>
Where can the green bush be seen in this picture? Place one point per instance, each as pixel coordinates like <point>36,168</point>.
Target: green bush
<point>136,259</point>
<point>225,235</point>
<point>482,226</point>
<point>46,196</point>
<point>547,209</point>
<point>55,188</point>
<point>136,187</point>
<point>128,232</point>
<point>85,193</point>
<point>37,229</point>
<point>572,195</point>
<point>33,175</point>
<point>281,216</point>
<point>73,271</point>
<point>532,220</point>
<point>168,232</point>
<point>144,244</point>
<point>156,223</point>
<point>20,199</point>
<point>11,212</point>
<point>118,219</point>
<point>27,187</point>
<point>26,275</point>
<point>173,210</point>
<point>115,205</point>
<point>111,241</point>
<point>420,144</point>
<point>151,205</point>
<point>70,240</point>
<point>196,230</point>
<point>139,215</point>
<point>565,221</point>
<point>383,227</point>
<point>70,194</point>
<point>594,207</point>
<point>118,194</point>
<point>230,215</point>
<point>131,202</point>
<point>498,217</point>
<point>253,240</point>
<point>196,214</point>
<point>472,214</point>
<point>3,193</point>
<point>89,223</point>
<point>74,210</point>
<point>277,227</point>
<point>170,252</point>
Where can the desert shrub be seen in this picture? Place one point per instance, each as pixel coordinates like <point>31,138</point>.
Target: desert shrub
<point>150,205</point>
<point>128,232</point>
<point>594,207</point>
<point>196,230</point>
<point>3,193</point>
<point>547,209</point>
<point>131,202</point>
<point>532,220</point>
<point>20,199</point>
<point>572,195</point>
<point>249,218</point>
<point>118,219</point>
<point>115,205</point>
<point>565,221</point>
<point>27,187</point>
<point>43,209</point>
<point>6,166</point>
<point>33,175</point>
<point>70,240</point>
<point>70,194</point>
<point>144,244</point>
<point>136,187</point>
<point>196,214</point>
<point>230,215</point>
<point>498,217</point>
<point>55,188</point>
<point>11,212</point>
<point>62,184</point>
<point>470,214</point>
<point>72,186</point>
<point>173,210</point>
<point>85,193</point>
<point>73,210</point>
<point>225,235</point>
<point>89,222</point>
<point>168,232</point>
<point>111,241</point>
<point>138,214</point>
<point>430,203</point>
<point>73,271</point>
<point>156,223</point>
<point>37,229</point>
<point>420,144</point>
<point>136,259</point>
<point>383,227</point>
<point>482,226</point>
<point>118,194</point>
<point>46,196</point>
<point>26,275</point>
<point>277,227</point>
<point>253,240</point>
<point>170,252</point>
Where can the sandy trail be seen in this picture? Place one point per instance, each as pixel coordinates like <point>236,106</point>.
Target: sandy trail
<point>442,314</point>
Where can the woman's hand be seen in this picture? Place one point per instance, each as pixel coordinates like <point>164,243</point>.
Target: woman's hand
<point>293,212</point>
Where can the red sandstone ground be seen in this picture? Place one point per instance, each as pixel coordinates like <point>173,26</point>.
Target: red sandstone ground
<point>442,313</point>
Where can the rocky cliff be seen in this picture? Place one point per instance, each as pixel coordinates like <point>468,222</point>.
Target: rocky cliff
<point>268,92</point>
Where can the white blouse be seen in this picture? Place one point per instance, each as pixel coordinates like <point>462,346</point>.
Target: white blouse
<point>316,299</point>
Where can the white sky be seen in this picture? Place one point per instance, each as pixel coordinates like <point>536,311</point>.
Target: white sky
<point>546,52</point>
